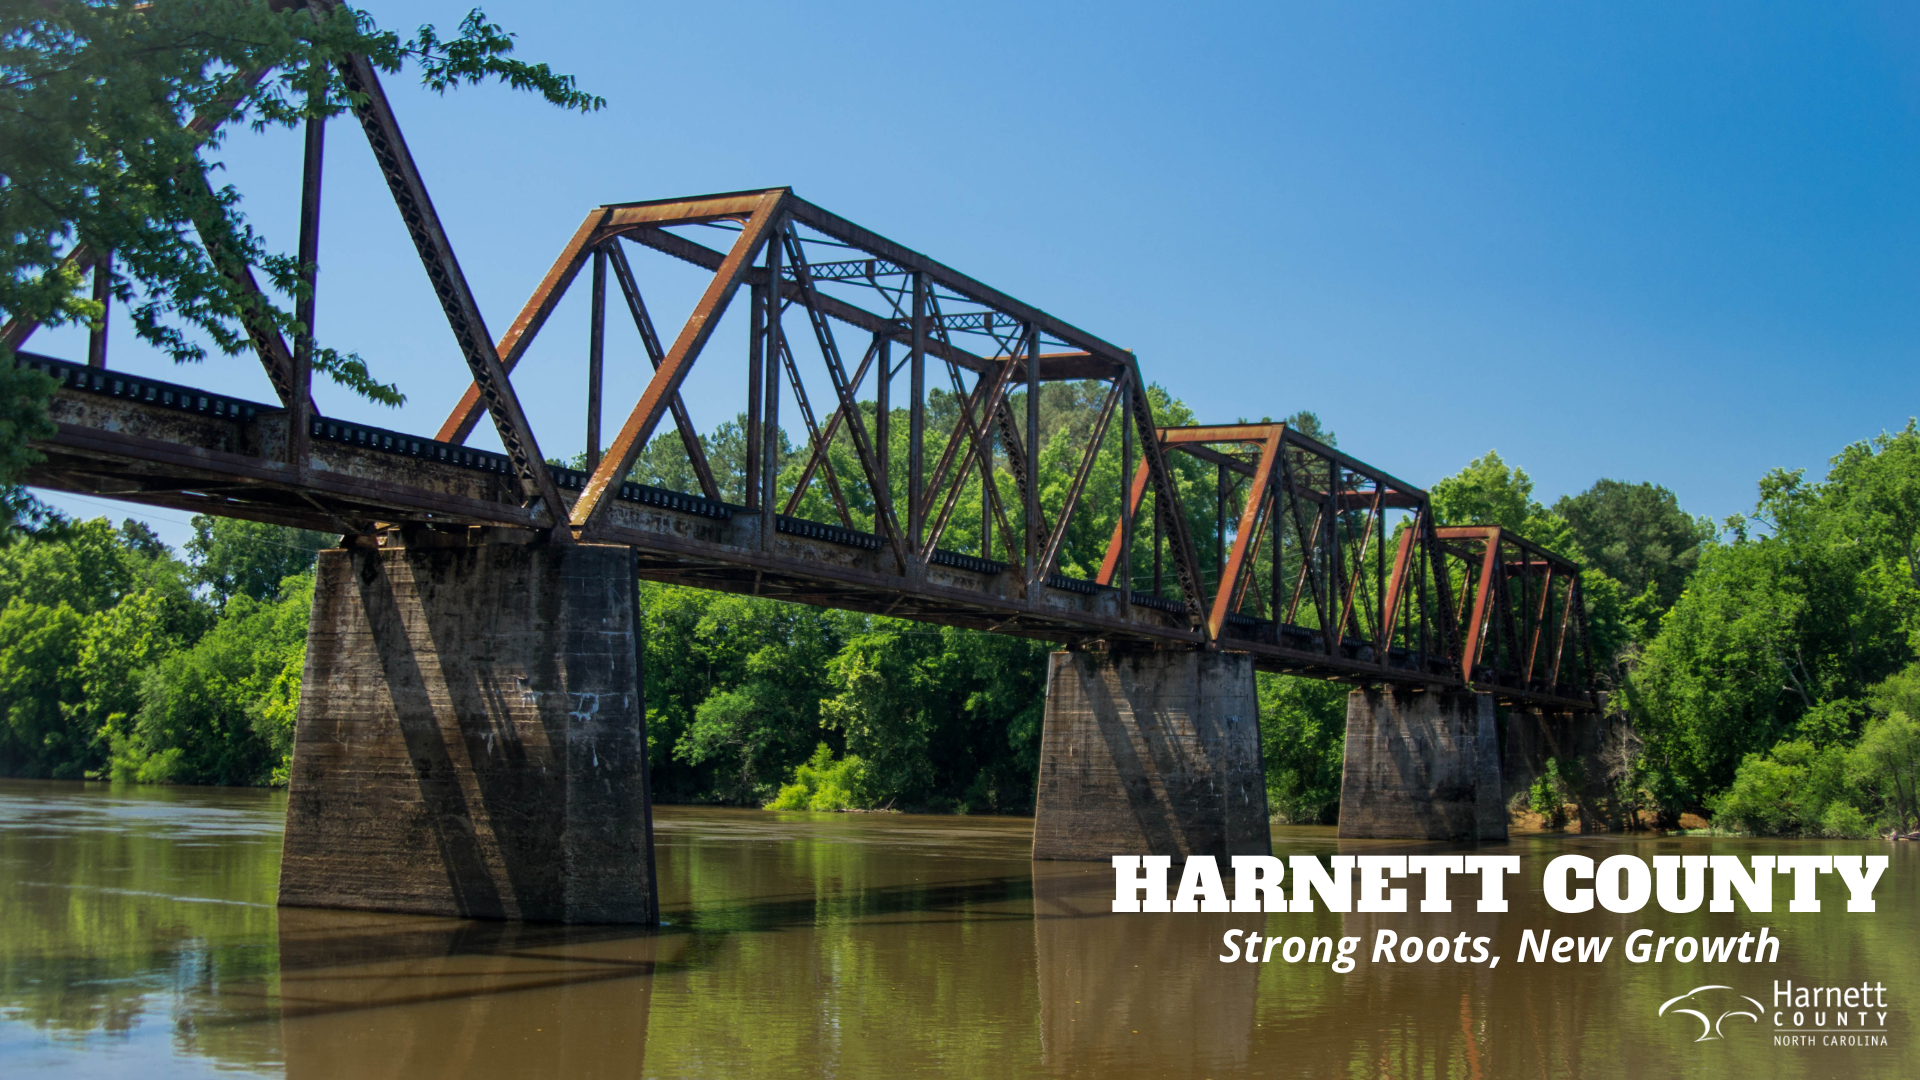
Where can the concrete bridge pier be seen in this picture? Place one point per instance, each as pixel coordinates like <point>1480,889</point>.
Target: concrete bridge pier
<point>1150,753</point>
<point>1423,764</point>
<point>471,739</point>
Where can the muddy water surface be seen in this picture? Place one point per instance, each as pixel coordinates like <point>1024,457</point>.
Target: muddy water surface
<point>138,937</point>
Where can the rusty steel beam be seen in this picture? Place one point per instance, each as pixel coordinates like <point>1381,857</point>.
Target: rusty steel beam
<point>596,355</point>
<point>1168,512</point>
<point>650,342</point>
<point>773,344</point>
<point>832,429</point>
<point>666,382</point>
<point>304,310</point>
<point>990,393</point>
<point>102,295</point>
<point>843,389</point>
<point>847,232</point>
<point>980,441</point>
<point>1054,366</point>
<point>1403,562</point>
<point>1230,571</point>
<point>1136,494</point>
<point>410,196</point>
<point>533,315</point>
<point>1051,555</point>
<point>813,432</point>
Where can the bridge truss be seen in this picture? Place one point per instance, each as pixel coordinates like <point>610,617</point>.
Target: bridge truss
<point>1318,563</point>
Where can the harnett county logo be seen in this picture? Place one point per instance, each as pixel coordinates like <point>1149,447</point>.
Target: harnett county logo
<point>1725,1001</point>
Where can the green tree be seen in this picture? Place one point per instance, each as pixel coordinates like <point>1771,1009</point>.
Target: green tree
<point>1783,631</point>
<point>1307,422</point>
<point>1303,728</point>
<point>733,690</point>
<point>117,649</point>
<point>1794,789</point>
<point>821,783</point>
<point>89,608</point>
<point>1488,492</point>
<point>98,110</point>
<point>943,718</point>
<point>232,557</point>
<point>1637,535</point>
<point>221,711</point>
<point>39,684</point>
<point>86,565</point>
<point>1885,766</point>
<point>111,119</point>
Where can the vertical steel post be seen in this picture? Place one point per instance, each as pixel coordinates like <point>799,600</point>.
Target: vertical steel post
<point>770,401</point>
<point>300,419</point>
<point>102,295</point>
<point>1159,568</point>
<point>1219,527</point>
<point>883,413</point>
<point>1280,505</point>
<point>756,341</point>
<point>917,418</point>
<point>596,355</point>
<point>1380,569</point>
<point>1330,623</point>
<point>986,499</point>
<point>1034,540</point>
<point>1126,512</point>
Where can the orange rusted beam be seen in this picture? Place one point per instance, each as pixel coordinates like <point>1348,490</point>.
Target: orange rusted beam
<point>1243,533</point>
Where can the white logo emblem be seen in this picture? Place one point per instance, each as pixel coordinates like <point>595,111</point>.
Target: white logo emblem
<point>1710,1027</point>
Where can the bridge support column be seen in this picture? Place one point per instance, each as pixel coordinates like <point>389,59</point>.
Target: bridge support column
<point>1422,764</point>
<point>1150,753</point>
<point>471,737</point>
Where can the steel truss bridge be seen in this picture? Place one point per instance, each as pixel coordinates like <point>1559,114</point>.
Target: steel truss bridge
<point>1313,562</point>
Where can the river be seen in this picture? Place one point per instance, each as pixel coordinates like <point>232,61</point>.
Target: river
<point>139,937</point>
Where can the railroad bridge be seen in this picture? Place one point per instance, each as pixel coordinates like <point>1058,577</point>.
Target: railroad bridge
<point>470,737</point>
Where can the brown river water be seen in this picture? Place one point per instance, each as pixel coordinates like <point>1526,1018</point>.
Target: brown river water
<point>138,937</point>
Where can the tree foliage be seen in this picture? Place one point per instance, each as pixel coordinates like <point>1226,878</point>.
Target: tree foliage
<point>233,558</point>
<point>1303,737</point>
<point>1788,634</point>
<point>1637,535</point>
<point>112,116</point>
<point>115,659</point>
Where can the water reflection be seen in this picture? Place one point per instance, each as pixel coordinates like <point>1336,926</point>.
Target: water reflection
<point>395,996</point>
<point>1142,993</point>
<point>139,938</point>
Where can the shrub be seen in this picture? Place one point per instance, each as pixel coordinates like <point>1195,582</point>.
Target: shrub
<point>1548,795</point>
<point>1846,821</point>
<point>1886,764</point>
<point>825,784</point>
<point>1794,789</point>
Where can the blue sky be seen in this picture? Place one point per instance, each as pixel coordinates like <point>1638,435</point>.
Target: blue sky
<point>1676,243</point>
